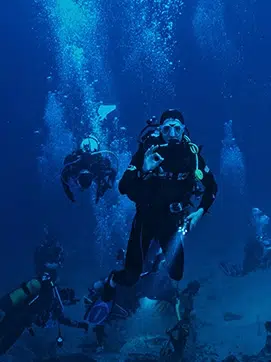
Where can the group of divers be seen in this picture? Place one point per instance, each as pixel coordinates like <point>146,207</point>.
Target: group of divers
<point>172,188</point>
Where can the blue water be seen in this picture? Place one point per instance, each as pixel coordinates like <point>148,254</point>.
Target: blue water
<point>61,58</point>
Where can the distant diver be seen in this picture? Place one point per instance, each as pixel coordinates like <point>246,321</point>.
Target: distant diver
<point>99,313</point>
<point>86,165</point>
<point>257,250</point>
<point>39,301</point>
<point>174,348</point>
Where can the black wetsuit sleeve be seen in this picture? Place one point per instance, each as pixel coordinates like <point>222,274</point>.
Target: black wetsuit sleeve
<point>131,184</point>
<point>65,175</point>
<point>72,323</point>
<point>210,186</point>
<point>66,187</point>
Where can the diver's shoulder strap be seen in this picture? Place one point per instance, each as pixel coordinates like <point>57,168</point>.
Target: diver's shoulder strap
<point>195,150</point>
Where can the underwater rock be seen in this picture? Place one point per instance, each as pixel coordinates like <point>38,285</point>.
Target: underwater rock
<point>148,346</point>
<point>230,359</point>
<point>141,357</point>
<point>75,357</point>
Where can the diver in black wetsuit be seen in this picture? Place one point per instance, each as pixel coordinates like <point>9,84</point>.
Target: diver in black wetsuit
<point>38,301</point>
<point>86,165</point>
<point>161,179</point>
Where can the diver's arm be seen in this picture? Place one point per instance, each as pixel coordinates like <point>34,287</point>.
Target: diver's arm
<point>210,186</point>
<point>69,162</point>
<point>72,323</point>
<point>132,181</point>
<point>66,187</point>
<point>68,191</point>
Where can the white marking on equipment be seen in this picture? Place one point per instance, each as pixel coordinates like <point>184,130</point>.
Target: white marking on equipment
<point>131,168</point>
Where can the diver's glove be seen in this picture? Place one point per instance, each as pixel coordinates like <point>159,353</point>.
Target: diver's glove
<point>194,217</point>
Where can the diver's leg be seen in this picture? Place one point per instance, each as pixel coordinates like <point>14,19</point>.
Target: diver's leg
<point>138,245</point>
<point>68,191</point>
<point>100,337</point>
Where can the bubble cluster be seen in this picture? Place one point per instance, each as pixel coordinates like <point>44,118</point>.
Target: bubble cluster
<point>210,32</point>
<point>59,140</point>
<point>151,41</point>
<point>77,42</point>
<point>232,166</point>
<point>79,38</point>
<point>114,212</point>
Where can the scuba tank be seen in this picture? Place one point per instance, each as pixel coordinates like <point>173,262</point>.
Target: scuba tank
<point>150,130</point>
<point>26,292</point>
<point>14,308</point>
<point>20,296</point>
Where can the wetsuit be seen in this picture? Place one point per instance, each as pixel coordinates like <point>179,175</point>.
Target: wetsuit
<point>153,195</point>
<point>82,168</point>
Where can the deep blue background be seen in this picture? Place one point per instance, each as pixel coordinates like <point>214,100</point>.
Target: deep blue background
<point>26,62</point>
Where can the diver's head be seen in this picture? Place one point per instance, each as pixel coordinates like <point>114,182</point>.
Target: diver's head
<point>98,286</point>
<point>172,126</point>
<point>256,211</point>
<point>85,179</point>
<point>90,144</point>
<point>49,256</point>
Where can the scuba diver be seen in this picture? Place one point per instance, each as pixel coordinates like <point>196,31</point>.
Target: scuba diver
<point>153,284</point>
<point>264,355</point>
<point>85,165</point>
<point>98,313</point>
<point>257,251</point>
<point>174,348</point>
<point>161,179</point>
<point>39,301</point>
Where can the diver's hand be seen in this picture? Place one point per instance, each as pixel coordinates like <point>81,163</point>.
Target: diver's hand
<point>152,159</point>
<point>194,217</point>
